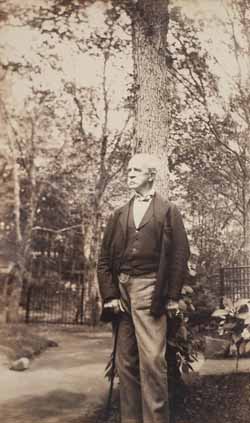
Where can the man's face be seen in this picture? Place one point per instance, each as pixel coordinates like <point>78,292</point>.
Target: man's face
<point>139,177</point>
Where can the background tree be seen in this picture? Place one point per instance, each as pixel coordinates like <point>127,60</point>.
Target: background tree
<point>153,87</point>
<point>208,136</point>
<point>68,132</point>
<point>73,140</point>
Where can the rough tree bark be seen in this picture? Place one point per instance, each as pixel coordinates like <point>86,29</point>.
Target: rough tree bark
<point>154,88</point>
<point>21,238</point>
<point>246,218</point>
<point>92,237</point>
<point>10,282</point>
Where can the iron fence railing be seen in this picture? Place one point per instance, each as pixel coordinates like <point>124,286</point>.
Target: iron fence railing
<point>231,282</point>
<point>59,302</point>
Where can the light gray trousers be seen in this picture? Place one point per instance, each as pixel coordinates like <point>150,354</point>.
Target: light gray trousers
<point>141,348</point>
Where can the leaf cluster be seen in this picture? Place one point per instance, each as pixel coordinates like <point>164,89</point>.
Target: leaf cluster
<point>234,323</point>
<point>183,340</point>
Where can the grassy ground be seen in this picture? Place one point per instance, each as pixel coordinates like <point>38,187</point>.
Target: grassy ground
<point>209,399</point>
<point>22,340</point>
<point>19,340</point>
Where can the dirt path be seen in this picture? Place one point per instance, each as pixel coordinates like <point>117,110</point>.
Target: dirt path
<point>65,385</point>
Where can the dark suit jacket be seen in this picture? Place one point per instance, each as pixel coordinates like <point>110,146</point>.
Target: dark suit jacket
<point>174,253</point>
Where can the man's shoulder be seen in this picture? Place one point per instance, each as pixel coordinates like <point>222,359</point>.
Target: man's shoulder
<point>123,207</point>
<point>164,203</point>
<point>119,210</point>
<point>165,208</point>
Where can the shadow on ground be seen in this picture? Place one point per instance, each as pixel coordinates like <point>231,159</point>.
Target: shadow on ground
<point>56,406</point>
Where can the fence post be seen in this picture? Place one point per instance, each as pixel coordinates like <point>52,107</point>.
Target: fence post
<point>27,316</point>
<point>82,299</point>
<point>222,288</point>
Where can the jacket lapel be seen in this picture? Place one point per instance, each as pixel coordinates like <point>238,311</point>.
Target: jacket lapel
<point>160,208</point>
<point>160,211</point>
<point>123,219</point>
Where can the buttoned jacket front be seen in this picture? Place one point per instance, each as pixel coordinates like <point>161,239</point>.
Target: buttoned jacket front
<point>174,253</point>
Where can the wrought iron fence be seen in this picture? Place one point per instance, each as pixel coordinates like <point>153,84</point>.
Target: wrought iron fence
<point>55,291</point>
<point>235,282</point>
<point>231,282</point>
<point>60,301</point>
<point>57,294</point>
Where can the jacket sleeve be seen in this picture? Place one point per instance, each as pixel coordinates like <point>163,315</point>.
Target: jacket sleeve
<point>178,253</point>
<point>105,271</point>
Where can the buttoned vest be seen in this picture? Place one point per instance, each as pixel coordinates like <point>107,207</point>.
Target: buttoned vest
<point>142,250</point>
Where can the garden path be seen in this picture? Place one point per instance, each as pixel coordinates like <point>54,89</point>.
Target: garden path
<point>66,384</point>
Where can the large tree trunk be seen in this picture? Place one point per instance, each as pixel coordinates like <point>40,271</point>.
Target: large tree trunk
<point>149,38</point>
<point>15,244</point>
<point>92,236</point>
<point>150,27</point>
<point>10,289</point>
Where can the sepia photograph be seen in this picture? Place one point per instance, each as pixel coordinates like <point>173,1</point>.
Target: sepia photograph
<point>125,211</point>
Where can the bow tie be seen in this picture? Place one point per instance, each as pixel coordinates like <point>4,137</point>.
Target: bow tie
<point>146,198</point>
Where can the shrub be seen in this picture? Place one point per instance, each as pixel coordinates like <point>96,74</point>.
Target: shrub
<point>234,323</point>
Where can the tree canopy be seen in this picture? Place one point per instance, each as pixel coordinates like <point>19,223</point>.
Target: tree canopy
<point>85,83</point>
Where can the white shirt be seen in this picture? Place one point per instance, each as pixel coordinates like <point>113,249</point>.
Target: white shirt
<point>141,204</point>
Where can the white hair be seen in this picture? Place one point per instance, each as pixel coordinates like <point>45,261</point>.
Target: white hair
<point>149,160</point>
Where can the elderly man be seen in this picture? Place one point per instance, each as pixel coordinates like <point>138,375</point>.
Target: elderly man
<point>141,268</point>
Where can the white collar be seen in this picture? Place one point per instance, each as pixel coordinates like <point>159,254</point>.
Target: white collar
<point>144,197</point>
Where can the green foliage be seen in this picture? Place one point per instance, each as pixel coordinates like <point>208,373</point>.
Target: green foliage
<point>182,338</point>
<point>72,135</point>
<point>205,297</point>
<point>69,152</point>
<point>7,237</point>
<point>234,323</point>
<point>211,176</point>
